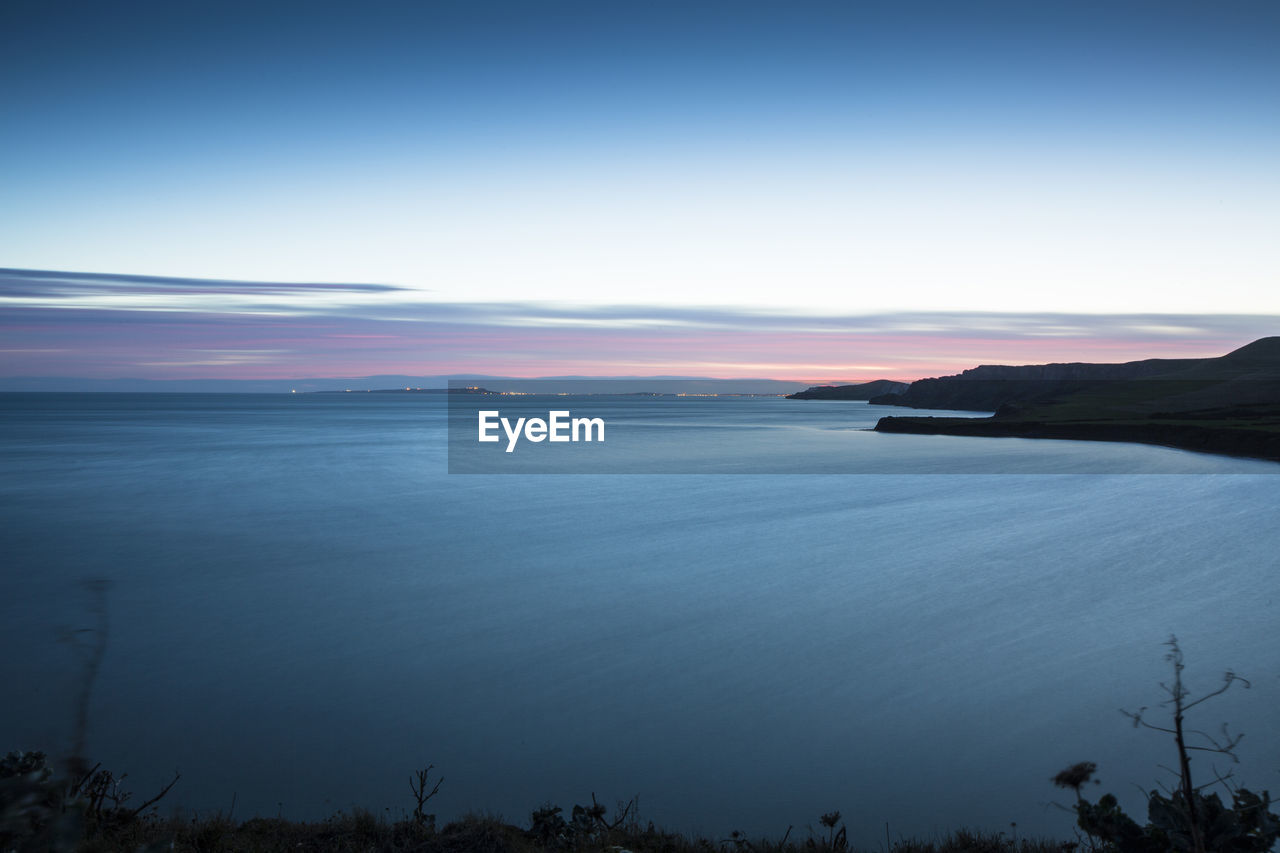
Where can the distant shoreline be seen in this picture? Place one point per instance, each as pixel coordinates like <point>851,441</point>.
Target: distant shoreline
<point>1249,444</point>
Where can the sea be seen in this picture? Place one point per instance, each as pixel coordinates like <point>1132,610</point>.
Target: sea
<point>763,612</point>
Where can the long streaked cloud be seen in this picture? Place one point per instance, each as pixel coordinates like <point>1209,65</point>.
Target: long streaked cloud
<point>1152,326</point>
<point>39,289</point>
<point>139,293</point>
<point>76,324</point>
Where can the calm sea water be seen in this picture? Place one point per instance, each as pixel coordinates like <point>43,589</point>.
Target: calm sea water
<point>306,607</point>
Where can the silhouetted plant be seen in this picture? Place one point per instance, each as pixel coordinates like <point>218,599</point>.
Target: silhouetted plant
<point>421,793</point>
<point>104,796</point>
<point>1184,818</point>
<point>625,811</point>
<point>584,820</point>
<point>587,825</point>
<point>30,801</point>
<point>547,826</point>
<point>1075,777</point>
<point>39,810</point>
<point>42,810</point>
<point>836,839</point>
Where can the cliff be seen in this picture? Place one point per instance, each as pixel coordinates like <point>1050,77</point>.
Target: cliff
<point>1229,404</point>
<point>863,391</point>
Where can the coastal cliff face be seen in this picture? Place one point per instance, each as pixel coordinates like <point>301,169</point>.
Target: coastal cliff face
<point>863,391</point>
<point>1079,370</point>
<point>972,394</point>
<point>1229,404</point>
<point>988,387</point>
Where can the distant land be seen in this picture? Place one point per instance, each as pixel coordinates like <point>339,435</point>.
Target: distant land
<point>863,391</point>
<point>476,390</point>
<point>470,389</point>
<point>397,382</point>
<point>1228,405</point>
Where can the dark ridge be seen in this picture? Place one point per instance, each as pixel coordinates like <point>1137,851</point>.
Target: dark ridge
<point>862,391</point>
<point>1228,405</point>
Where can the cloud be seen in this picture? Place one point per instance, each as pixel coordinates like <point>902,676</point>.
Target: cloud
<point>989,325</point>
<point>75,324</point>
<point>46,296</point>
<point>141,294</point>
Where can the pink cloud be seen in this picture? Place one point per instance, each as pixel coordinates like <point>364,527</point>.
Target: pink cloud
<point>53,329</point>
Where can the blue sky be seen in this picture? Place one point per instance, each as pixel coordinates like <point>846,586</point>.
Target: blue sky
<point>1036,158</point>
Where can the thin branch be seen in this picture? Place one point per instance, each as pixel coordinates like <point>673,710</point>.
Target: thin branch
<point>1138,720</point>
<point>84,780</point>
<point>156,798</point>
<point>1217,778</point>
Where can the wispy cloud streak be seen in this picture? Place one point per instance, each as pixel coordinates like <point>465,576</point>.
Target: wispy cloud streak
<point>137,293</point>
<point>75,324</point>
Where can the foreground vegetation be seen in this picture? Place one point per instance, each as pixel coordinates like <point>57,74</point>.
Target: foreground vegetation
<point>88,809</point>
<point>39,814</point>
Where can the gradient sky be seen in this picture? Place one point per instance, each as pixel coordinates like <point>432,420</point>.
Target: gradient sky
<point>804,190</point>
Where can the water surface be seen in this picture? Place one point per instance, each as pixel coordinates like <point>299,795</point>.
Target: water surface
<point>307,607</point>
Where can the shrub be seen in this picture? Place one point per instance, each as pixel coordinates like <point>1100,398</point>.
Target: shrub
<point>1184,818</point>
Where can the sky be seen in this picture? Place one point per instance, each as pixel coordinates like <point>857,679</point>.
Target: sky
<point>801,190</point>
